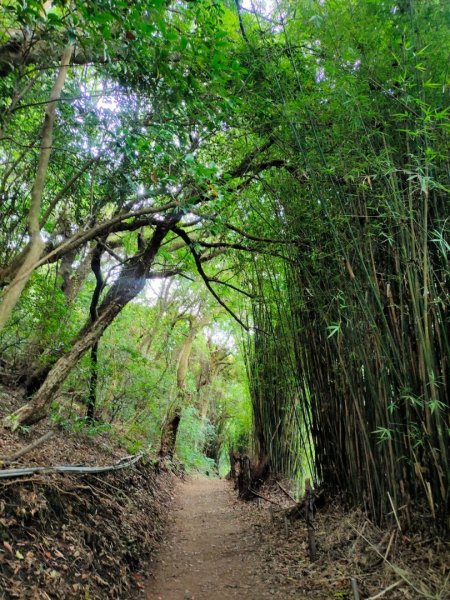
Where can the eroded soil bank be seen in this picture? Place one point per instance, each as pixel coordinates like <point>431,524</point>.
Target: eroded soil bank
<point>77,536</point>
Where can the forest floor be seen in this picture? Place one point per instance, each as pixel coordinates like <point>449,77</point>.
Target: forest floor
<point>76,536</point>
<point>92,537</point>
<point>219,548</point>
<point>212,550</point>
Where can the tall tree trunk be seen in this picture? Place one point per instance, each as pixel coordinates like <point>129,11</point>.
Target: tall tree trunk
<point>99,284</point>
<point>35,246</point>
<point>72,277</point>
<point>209,370</point>
<point>170,428</point>
<point>169,436</point>
<point>31,372</point>
<point>130,282</point>
<point>92,397</point>
<point>163,302</point>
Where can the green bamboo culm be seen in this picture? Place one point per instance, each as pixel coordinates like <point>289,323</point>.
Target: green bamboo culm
<point>349,358</point>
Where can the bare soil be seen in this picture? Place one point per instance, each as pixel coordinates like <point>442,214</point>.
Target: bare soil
<point>211,552</point>
<point>219,548</point>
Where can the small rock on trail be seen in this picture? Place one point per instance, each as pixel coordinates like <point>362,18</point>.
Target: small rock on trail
<point>211,551</point>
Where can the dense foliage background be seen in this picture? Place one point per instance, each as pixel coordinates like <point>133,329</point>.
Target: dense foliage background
<point>225,227</point>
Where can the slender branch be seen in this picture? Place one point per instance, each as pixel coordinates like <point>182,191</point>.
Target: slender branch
<point>241,24</point>
<point>244,165</point>
<point>164,274</point>
<point>96,269</point>
<point>233,287</point>
<point>47,140</point>
<point>184,236</point>
<point>65,189</point>
<point>111,252</point>
<point>226,245</point>
<point>241,232</point>
<point>93,310</point>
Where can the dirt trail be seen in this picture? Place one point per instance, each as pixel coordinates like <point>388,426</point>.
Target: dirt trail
<point>211,553</point>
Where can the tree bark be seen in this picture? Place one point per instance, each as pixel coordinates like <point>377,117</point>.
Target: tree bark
<point>169,437</point>
<point>251,475</point>
<point>99,284</point>
<point>244,479</point>
<point>170,428</point>
<point>92,397</point>
<point>128,285</point>
<point>234,467</point>
<point>73,277</point>
<point>36,244</point>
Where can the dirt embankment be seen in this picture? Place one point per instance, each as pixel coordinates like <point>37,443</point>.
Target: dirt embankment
<point>73,535</point>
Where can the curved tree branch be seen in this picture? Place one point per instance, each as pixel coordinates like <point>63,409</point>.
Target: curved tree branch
<point>198,263</point>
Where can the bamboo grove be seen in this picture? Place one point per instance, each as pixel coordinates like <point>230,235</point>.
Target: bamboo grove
<point>359,349</point>
<point>288,161</point>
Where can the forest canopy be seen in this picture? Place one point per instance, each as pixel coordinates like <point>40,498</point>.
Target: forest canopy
<point>224,226</point>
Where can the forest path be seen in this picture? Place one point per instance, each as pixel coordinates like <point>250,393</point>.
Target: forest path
<point>211,551</point>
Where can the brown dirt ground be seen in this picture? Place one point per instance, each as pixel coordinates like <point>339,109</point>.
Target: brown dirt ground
<point>211,552</point>
<point>220,548</point>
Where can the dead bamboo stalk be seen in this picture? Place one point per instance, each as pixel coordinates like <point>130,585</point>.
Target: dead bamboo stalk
<point>309,517</point>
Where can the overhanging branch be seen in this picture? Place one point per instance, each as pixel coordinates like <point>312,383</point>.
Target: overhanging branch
<point>198,263</point>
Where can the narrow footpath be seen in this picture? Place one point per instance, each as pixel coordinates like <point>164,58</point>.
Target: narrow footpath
<point>211,552</point>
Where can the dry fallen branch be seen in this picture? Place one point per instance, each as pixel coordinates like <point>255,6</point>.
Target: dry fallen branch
<point>388,589</point>
<point>121,464</point>
<point>263,497</point>
<point>26,449</point>
<point>400,572</point>
<point>288,494</point>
